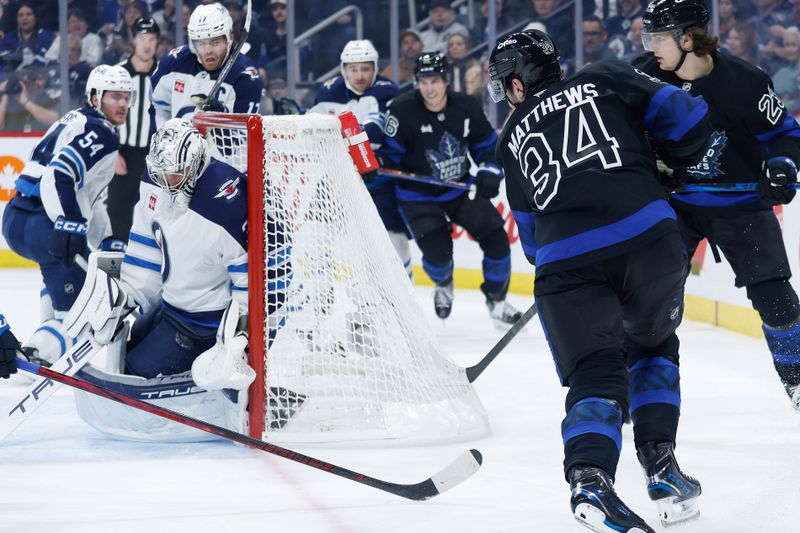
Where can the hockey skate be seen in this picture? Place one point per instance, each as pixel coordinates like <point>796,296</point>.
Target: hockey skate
<point>675,493</point>
<point>443,299</point>
<point>503,313</point>
<point>597,507</point>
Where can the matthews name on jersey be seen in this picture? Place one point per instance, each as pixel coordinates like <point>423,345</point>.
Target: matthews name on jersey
<point>441,145</point>
<point>71,166</point>
<point>179,76</point>
<point>596,212</point>
<point>195,257</point>
<point>751,125</point>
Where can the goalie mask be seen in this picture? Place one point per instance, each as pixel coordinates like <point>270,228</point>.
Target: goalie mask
<point>359,52</point>
<point>209,21</point>
<point>109,78</point>
<point>530,56</point>
<point>178,155</point>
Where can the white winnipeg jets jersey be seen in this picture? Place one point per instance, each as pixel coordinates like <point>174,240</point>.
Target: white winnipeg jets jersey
<point>194,256</point>
<point>71,166</point>
<point>179,76</point>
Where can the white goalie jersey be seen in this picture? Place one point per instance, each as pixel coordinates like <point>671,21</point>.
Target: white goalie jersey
<point>194,256</point>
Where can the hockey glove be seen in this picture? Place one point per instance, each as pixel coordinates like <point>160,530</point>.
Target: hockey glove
<point>670,178</point>
<point>780,171</point>
<point>8,350</point>
<point>214,105</point>
<point>224,365</point>
<point>112,244</point>
<point>286,106</point>
<point>67,240</point>
<point>487,183</point>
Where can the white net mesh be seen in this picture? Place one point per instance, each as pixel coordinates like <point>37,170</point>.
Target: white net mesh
<point>352,356</point>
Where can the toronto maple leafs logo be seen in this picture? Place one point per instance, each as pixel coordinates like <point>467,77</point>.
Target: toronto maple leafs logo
<point>709,167</point>
<point>449,162</point>
<point>546,46</point>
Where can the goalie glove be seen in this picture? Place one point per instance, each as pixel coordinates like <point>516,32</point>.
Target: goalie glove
<point>224,366</point>
<point>101,304</point>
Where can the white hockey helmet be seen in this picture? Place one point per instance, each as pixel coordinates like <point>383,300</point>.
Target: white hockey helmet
<point>358,51</point>
<point>178,155</point>
<point>109,78</point>
<point>208,21</point>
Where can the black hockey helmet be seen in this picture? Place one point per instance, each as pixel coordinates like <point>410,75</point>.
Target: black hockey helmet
<point>666,15</point>
<point>432,64</point>
<point>529,55</point>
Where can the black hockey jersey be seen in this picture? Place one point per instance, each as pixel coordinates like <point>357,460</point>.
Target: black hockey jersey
<point>581,173</point>
<point>750,125</point>
<point>438,145</point>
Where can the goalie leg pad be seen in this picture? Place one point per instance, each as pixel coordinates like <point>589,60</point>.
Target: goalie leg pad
<point>50,340</point>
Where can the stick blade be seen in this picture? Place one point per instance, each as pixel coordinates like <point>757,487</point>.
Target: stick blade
<point>464,466</point>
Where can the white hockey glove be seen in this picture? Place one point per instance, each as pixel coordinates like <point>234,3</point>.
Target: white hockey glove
<point>102,303</point>
<point>224,365</point>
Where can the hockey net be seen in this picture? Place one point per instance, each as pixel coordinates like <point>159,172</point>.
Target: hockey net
<point>352,357</point>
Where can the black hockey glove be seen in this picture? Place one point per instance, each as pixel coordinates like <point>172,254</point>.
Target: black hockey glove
<point>487,183</point>
<point>214,105</point>
<point>112,244</point>
<point>8,350</point>
<point>67,240</point>
<point>670,178</point>
<point>780,171</point>
<point>286,106</point>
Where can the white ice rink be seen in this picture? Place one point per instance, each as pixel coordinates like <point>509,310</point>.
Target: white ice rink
<point>738,436</point>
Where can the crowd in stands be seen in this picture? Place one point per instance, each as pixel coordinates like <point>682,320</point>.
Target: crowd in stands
<point>763,32</point>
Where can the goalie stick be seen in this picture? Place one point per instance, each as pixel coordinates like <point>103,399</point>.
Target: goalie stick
<point>453,474</point>
<point>232,56</point>
<point>477,369</point>
<point>726,187</point>
<point>425,179</point>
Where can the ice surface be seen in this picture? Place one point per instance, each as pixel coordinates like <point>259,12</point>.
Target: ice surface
<point>738,436</point>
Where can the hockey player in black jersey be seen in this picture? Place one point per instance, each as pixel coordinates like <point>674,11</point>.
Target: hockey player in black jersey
<point>583,185</point>
<point>754,140</point>
<point>435,132</point>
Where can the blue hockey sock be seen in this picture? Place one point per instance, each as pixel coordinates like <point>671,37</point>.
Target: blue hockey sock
<point>592,434</point>
<point>784,343</point>
<point>655,400</point>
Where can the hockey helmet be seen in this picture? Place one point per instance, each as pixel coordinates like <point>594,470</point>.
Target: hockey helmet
<point>104,78</point>
<point>358,51</point>
<point>178,154</point>
<point>666,15</point>
<point>432,64</point>
<point>530,55</point>
<point>208,21</point>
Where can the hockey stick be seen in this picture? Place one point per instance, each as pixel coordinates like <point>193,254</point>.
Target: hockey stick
<point>389,173</point>
<point>477,369</point>
<point>232,56</point>
<point>726,187</point>
<point>459,470</point>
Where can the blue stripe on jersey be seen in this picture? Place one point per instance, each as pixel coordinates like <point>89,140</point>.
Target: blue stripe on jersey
<point>672,112</point>
<point>411,196</point>
<point>605,236</point>
<point>392,149</point>
<point>59,165</point>
<point>73,170</point>
<point>788,127</point>
<point>141,239</point>
<point>484,145</point>
<point>526,227</point>
<point>161,103</point>
<point>208,319</point>
<point>26,187</point>
<point>135,261</point>
<point>717,199</point>
<point>237,288</point>
<point>69,152</point>
<point>238,268</point>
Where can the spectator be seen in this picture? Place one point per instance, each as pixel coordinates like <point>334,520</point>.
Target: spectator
<point>91,44</point>
<point>165,44</point>
<point>443,25</point>
<point>410,50</point>
<point>269,46</point>
<point>29,44</point>
<point>769,22</point>
<point>480,32</point>
<point>457,48</point>
<point>634,40</point>
<point>26,105</point>
<point>729,14</point>
<point>121,44</point>
<point>165,18</point>
<point>595,41</point>
<point>627,11</point>
<point>785,81</point>
<point>743,42</point>
<point>78,70</point>
<point>557,18</point>
<point>111,14</point>
<point>328,43</point>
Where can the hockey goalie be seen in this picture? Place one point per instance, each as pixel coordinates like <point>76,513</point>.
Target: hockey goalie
<point>186,270</point>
